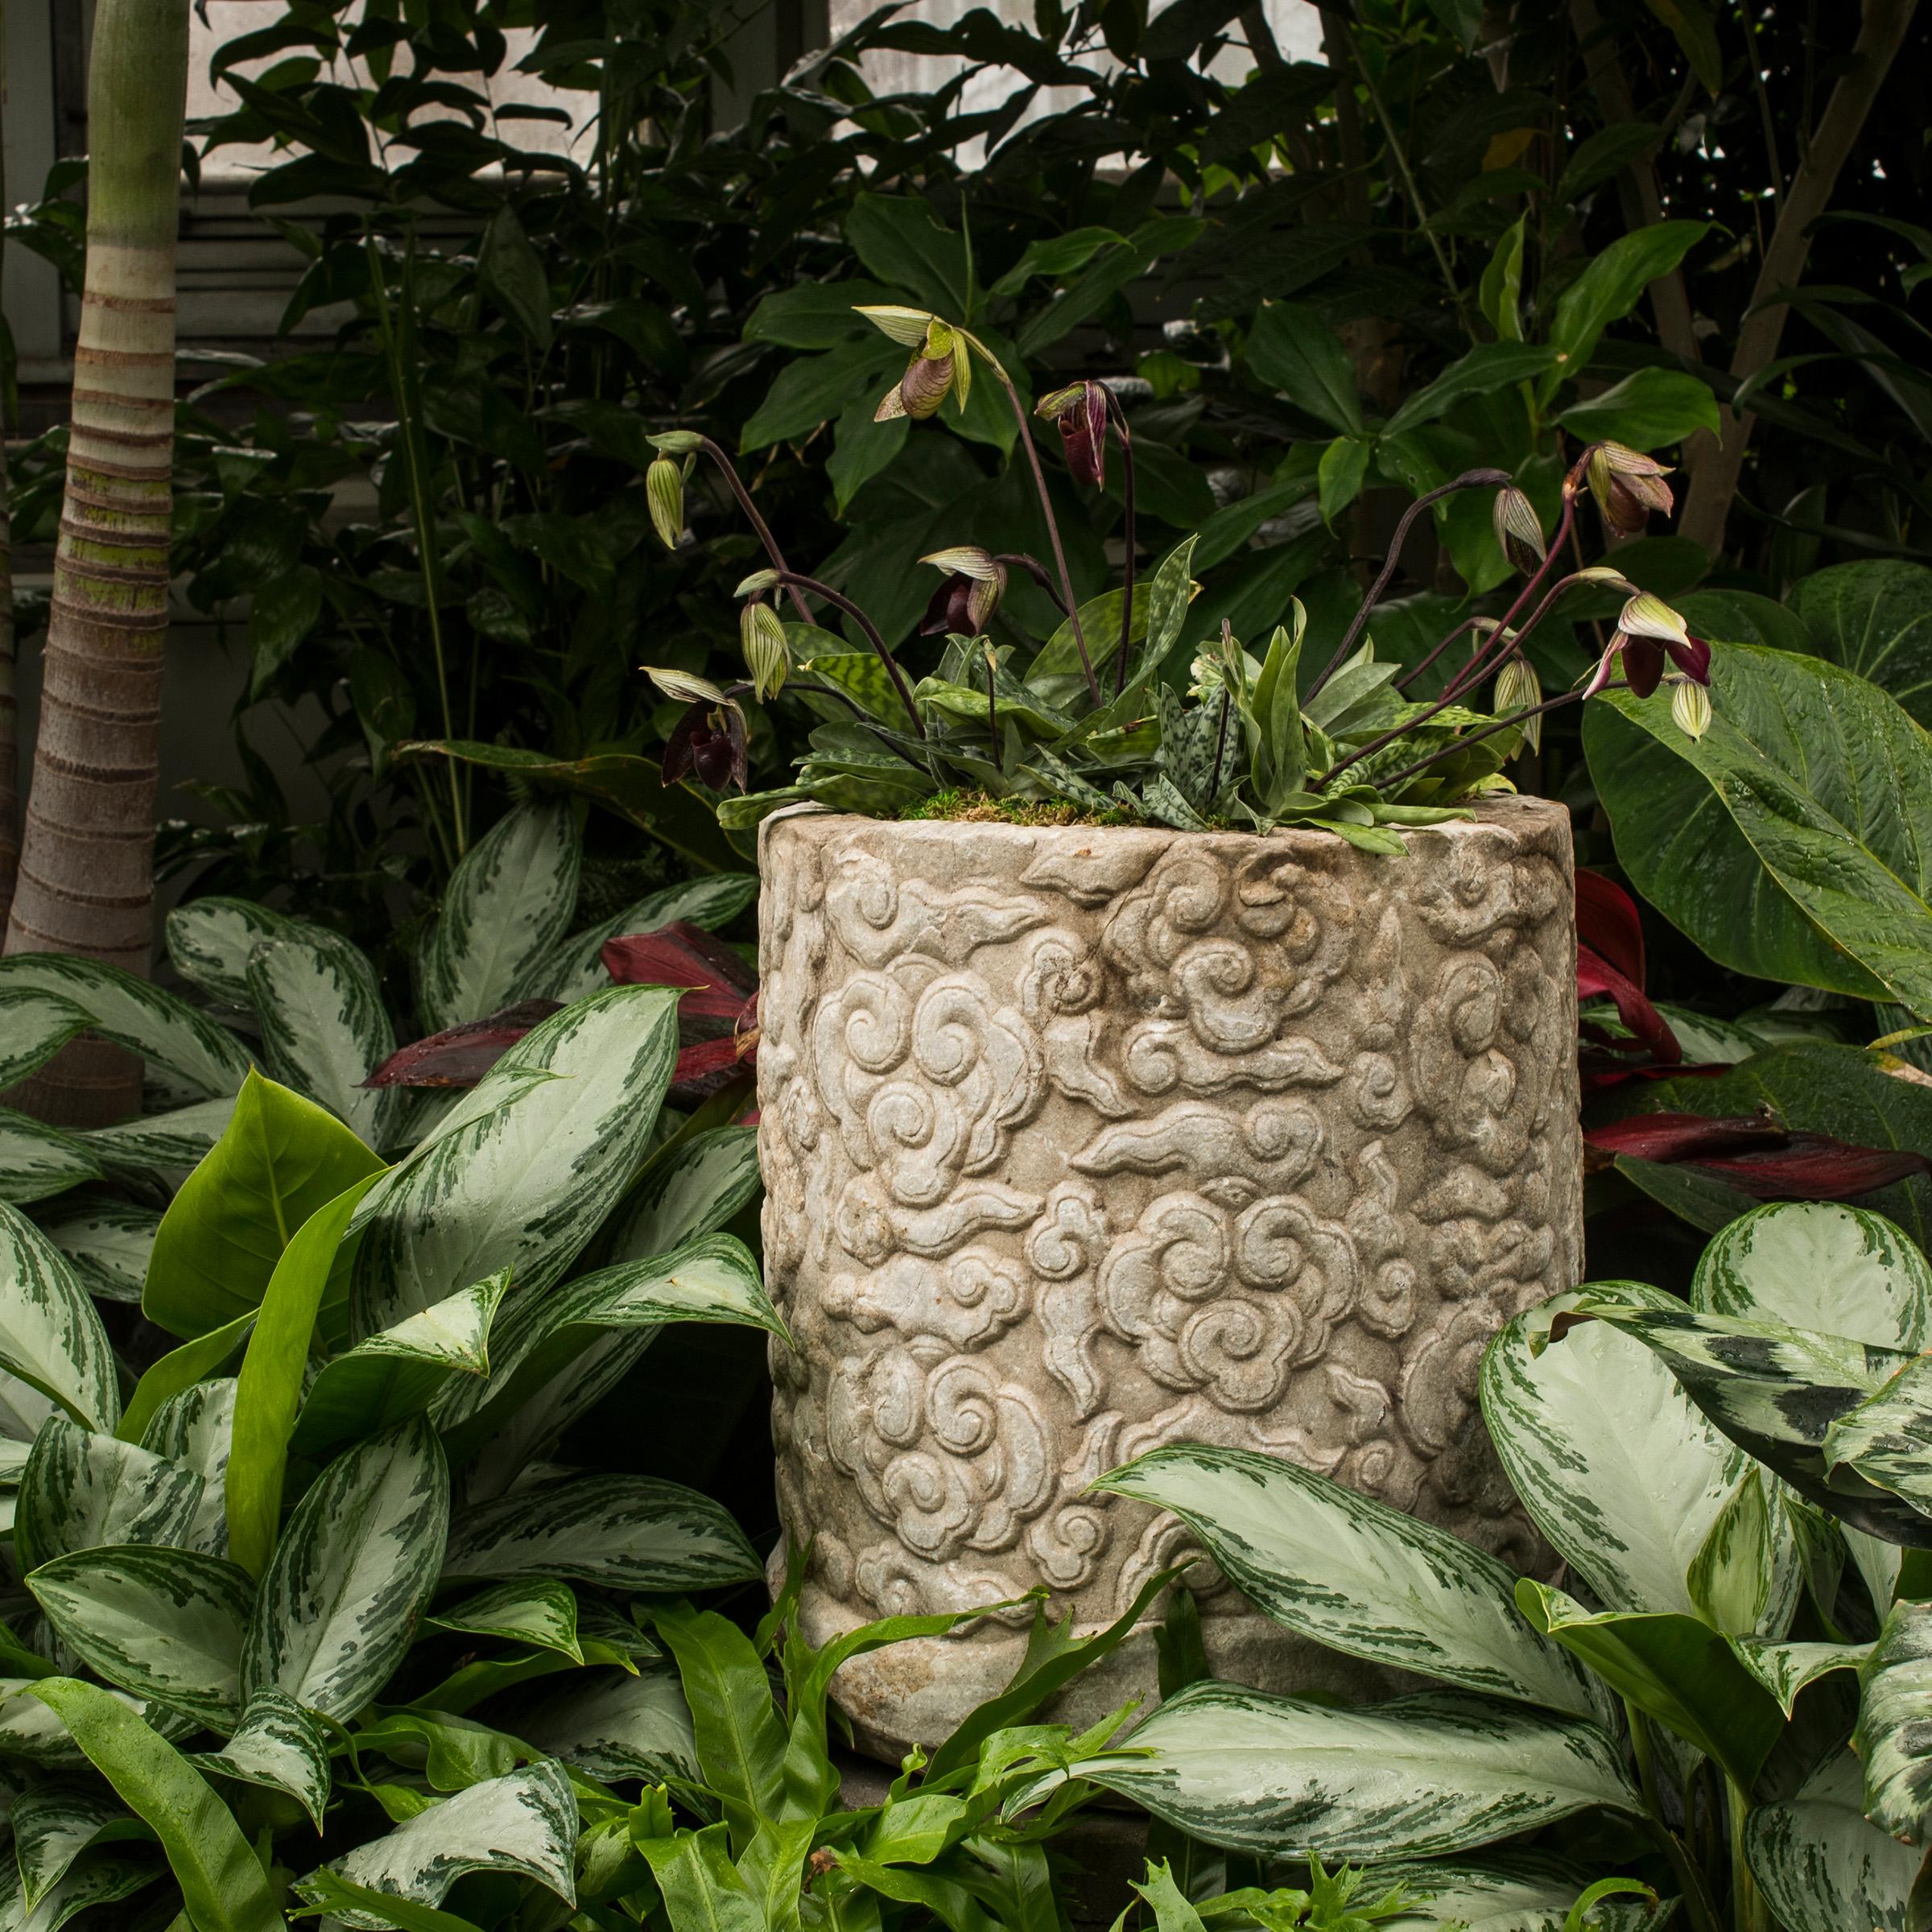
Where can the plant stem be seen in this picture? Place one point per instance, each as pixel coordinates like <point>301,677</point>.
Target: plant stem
<point>795,583</point>
<point>1747,1910</point>
<point>1488,731</point>
<point>1697,1896</point>
<point>759,523</point>
<point>1038,572</point>
<point>992,708</point>
<point>1121,430</point>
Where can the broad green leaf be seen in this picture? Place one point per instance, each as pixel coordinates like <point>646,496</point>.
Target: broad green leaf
<point>576,969</point>
<point>180,1370</point>
<point>1793,840</point>
<point>1893,1740</point>
<point>280,1158</point>
<point>209,940</point>
<point>1281,1777</point>
<point>107,1243</point>
<point>352,1572</point>
<point>37,1161</point>
<point>223,1885</point>
<point>34,1026</point>
<point>197,1429</point>
<point>1820,1265</point>
<point>166,1625</point>
<point>702,1890</point>
<point>897,240</point>
<point>513,275</point>
<point>523,1170</point>
<point>1821,1865</point>
<point>1874,617</point>
<point>1344,468</point>
<point>278,1747</point>
<point>1650,409</point>
<point>537,1610</point>
<point>455,1751</point>
<point>1293,349</point>
<point>507,909</point>
<point>1611,1459</point>
<point>1673,1666</point>
<point>1487,367</point>
<point>166,1032</point>
<point>395,1374</point>
<point>324,1027</point>
<point>55,1822</point>
<point>1611,285</point>
<point>1356,1575</point>
<point>740,1739</point>
<point>54,1352</point>
<point>626,1532</point>
<point>82,1491</point>
<point>172,1142</point>
<point>269,1389</point>
<point>615,1725</point>
<point>814,315</point>
<point>523,1825</point>
<point>697,1189</point>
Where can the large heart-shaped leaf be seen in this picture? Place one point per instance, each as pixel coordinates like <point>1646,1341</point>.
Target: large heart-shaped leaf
<point>54,1351</point>
<point>353,1571</point>
<point>1874,617</point>
<point>82,1490</point>
<point>1794,840</point>
<point>1821,1865</point>
<point>1355,1575</point>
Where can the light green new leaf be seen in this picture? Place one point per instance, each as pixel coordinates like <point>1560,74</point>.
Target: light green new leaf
<point>521,1172</point>
<point>54,1351</point>
<point>396,1374</point>
<point>280,1158</point>
<point>1874,617</point>
<point>209,940</point>
<point>615,1725</point>
<point>353,1571</point>
<point>1281,1778</point>
<point>323,1026</point>
<point>37,1161</point>
<point>1892,1740</point>
<point>627,1532</point>
<point>278,1747</point>
<point>739,1738</point>
<point>712,903</point>
<point>506,910</point>
<point>34,1026</point>
<point>702,1890</point>
<point>1819,1265</point>
<point>107,1242</point>
<point>1793,840</point>
<point>82,1490</point>
<point>1355,1575</point>
<point>222,1883</point>
<point>536,1610</point>
<point>167,1033</point>
<point>164,1624</point>
<point>1821,1865</point>
<point>524,1824</point>
<point>54,1823</point>
<point>179,1370</point>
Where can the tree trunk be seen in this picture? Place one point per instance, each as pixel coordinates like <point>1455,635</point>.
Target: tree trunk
<point>86,882</point>
<point>9,723</point>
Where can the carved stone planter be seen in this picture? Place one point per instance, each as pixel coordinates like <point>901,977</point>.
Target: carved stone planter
<point>1077,1141</point>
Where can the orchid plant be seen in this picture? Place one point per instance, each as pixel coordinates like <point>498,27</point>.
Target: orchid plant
<point>1094,719</point>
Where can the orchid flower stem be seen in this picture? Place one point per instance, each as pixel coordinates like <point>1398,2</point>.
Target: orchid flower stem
<point>794,582</point>
<point>757,522</point>
<point>1470,479</point>
<point>1053,526</point>
<point>992,708</point>
<point>1473,673</point>
<point>852,705</point>
<point>1488,731</point>
<point>1126,440</point>
<point>1038,572</point>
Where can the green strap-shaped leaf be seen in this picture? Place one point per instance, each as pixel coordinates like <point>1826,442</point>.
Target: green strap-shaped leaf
<point>57,1820</point>
<point>507,909</point>
<point>1356,1575</point>
<point>269,1390</point>
<point>1821,1865</point>
<point>280,1158</point>
<point>209,940</point>
<point>54,1351</point>
<point>1421,1776</point>
<point>352,1572</point>
<point>82,1490</point>
<point>1892,1739</point>
<point>739,1738</point>
<point>577,969</point>
<point>34,1026</point>
<point>701,1889</point>
<point>324,1026</point>
<point>223,1885</point>
<point>540,1610</point>
<point>165,1624</point>
<point>38,1161</point>
<point>278,1747</point>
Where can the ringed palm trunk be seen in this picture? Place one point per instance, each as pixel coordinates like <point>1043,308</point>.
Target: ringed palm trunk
<point>86,879</point>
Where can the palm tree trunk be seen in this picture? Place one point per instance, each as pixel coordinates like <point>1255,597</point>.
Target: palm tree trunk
<point>10,735</point>
<point>86,882</point>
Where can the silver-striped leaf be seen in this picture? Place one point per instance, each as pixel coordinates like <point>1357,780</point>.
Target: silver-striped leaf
<point>38,1161</point>
<point>82,1490</point>
<point>1445,1772</point>
<point>1612,1459</point>
<point>506,911</point>
<point>524,1824</point>
<point>165,1031</point>
<point>353,1571</point>
<point>626,1532</point>
<point>616,1725</point>
<point>1821,1865</point>
<point>34,1026</point>
<point>174,1142</point>
<point>196,1429</point>
<point>54,1352</point>
<point>30,1733</point>
<point>1786,1669</point>
<point>521,1172</point>
<point>54,1823</point>
<point>1357,1576</point>
<point>1893,1739</point>
<point>88,1882</point>
<point>165,1624</point>
<point>711,902</point>
<point>1888,1437</point>
<point>539,1610</point>
<point>1510,1892</point>
<point>106,1241</point>
<point>209,940</point>
<point>323,1026</point>
<point>699,1187</point>
<point>278,1747</point>
<point>1819,1265</point>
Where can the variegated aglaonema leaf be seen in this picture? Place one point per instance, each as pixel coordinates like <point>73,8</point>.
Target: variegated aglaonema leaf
<point>577,966</point>
<point>209,940</point>
<point>539,1610</point>
<point>82,1490</point>
<point>611,1724</point>
<point>196,1429</point>
<point>164,1624</point>
<point>524,1824</point>
<point>1893,1739</point>
<point>1819,1863</point>
<point>278,1747</point>
<point>106,1242</point>
<point>38,1161</point>
<point>34,1026</point>
<point>55,1356</point>
<point>1358,1576</point>
<point>1887,1440</point>
<point>696,1188</point>
<point>521,1172</point>
<point>354,1570</point>
<point>55,1823</point>
<point>1280,1777</point>
<point>95,1881</point>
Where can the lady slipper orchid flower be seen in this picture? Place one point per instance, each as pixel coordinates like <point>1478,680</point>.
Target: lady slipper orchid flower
<point>941,366</point>
<point>1519,529</point>
<point>976,581</point>
<point>708,742</point>
<point>1627,487</point>
<point>767,655</point>
<point>1649,634</point>
<point>1080,410</point>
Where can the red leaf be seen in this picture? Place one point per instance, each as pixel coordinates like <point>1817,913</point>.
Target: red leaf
<point>1608,923</point>
<point>1814,1167</point>
<point>705,1067</point>
<point>1601,1073</point>
<point>1684,1137</point>
<point>460,1056</point>
<point>1595,975</point>
<point>683,954</point>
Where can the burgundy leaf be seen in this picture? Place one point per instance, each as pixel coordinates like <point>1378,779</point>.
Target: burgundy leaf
<point>1813,1167</point>
<point>684,955</point>
<point>1685,1137</point>
<point>1596,975</point>
<point>460,1056</point>
<point>706,1065</point>
<point>1603,1069</point>
<point>1608,923</point>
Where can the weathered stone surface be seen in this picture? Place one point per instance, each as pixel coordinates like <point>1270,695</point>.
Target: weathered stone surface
<point>1079,1140</point>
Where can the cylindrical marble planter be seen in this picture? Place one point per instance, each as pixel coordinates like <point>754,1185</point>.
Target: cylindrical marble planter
<point>1080,1140</point>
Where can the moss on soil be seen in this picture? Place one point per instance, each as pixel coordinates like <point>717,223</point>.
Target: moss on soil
<point>982,808</point>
